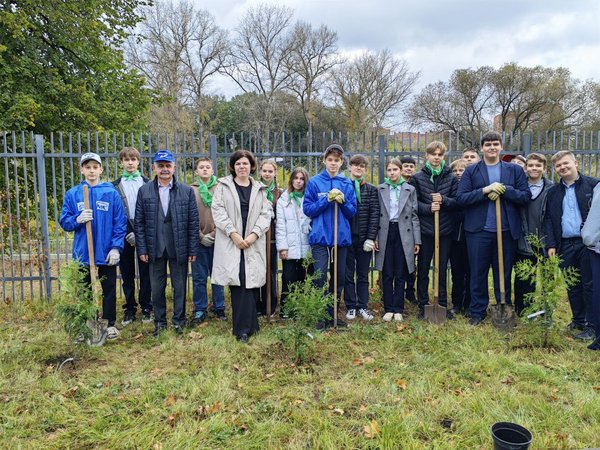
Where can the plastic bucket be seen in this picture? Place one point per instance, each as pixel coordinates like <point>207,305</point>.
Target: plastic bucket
<point>510,436</point>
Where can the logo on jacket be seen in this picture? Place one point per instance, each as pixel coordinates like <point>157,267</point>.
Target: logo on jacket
<point>102,206</point>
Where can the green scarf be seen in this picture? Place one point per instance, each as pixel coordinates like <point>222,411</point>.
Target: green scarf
<point>357,184</point>
<point>296,196</point>
<point>395,186</point>
<point>130,176</point>
<point>270,189</point>
<point>203,190</point>
<point>435,172</point>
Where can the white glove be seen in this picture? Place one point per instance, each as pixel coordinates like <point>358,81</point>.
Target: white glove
<point>113,257</point>
<point>207,240</point>
<point>85,216</point>
<point>130,238</point>
<point>369,245</point>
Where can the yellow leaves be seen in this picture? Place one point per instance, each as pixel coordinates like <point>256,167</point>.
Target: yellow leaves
<point>172,419</point>
<point>401,384</point>
<point>137,337</point>
<point>371,430</point>
<point>363,360</point>
<point>204,411</point>
<point>170,401</point>
<point>596,388</point>
<point>71,391</point>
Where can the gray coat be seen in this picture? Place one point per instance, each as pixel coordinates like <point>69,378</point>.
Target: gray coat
<point>408,223</point>
<point>590,233</point>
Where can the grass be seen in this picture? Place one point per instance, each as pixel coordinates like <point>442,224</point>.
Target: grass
<point>376,385</point>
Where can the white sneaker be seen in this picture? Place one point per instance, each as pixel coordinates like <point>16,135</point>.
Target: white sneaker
<point>387,317</point>
<point>398,317</point>
<point>351,314</point>
<point>365,314</point>
<point>112,333</point>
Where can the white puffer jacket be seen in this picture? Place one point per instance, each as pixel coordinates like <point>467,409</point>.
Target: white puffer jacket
<point>292,228</point>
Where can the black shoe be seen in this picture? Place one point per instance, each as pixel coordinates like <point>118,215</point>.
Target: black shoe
<point>449,314</point>
<point>243,338</point>
<point>220,314</point>
<point>199,317</point>
<point>575,327</point>
<point>128,317</point>
<point>595,345</point>
<point>158,330</point>
<point>340,324</point>
<point>467,313</point>
<point>587,334</point>
<point>454,311</point>
<point>147,316</point>
<point>475,321</point>
<point>411,298</point>
<point>321,325</point>
<point>178,330</point>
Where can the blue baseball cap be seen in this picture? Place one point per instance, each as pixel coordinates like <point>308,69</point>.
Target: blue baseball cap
<point>164,155</point>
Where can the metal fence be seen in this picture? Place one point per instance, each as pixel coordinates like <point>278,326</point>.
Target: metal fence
<point>36,171</point>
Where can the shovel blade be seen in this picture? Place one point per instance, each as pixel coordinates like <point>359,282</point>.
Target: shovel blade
<point>435,314</point>
<point>503,317</point>
<point>99,329</point>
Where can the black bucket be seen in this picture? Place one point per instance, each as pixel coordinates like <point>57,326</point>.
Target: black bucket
<point>510,436</point>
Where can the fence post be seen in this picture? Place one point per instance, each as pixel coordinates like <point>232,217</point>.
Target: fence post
<point>526,143</point>
<point>41,172</point>
<point>212,150</point>
<point>381,148</point>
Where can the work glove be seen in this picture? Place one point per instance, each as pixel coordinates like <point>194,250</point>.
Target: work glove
<point>85,216</point>
<point>369,245</point>
<point>493,196</point>
<point>130,238</point>
<point>333,194</point>
<point>113,257</point>
<point>498,188</point>
<point>207,240</point>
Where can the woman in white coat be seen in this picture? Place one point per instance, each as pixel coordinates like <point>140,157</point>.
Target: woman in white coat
<point>242,216</point>
<point>291,233</point>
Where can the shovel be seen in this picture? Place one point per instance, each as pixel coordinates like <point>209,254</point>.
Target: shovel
<point>502,315</point>
<point>335,264</point>
<point>98,326</point>
<point>268,287</point>
<point>436,313</point>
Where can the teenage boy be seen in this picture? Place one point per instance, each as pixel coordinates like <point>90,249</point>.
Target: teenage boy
<point>364,227</point>
<point>470,156</point>
<point>519,160</point>
<point>436,188</point>
<point>166,233</point>
<point>127,186</point>
<point>321,191</point>
<point>109,225</point>
<point>481,184</point>
<point>408,169</point>
<point>201,268</point>
<point>532,221</point>
<point>567,207</point>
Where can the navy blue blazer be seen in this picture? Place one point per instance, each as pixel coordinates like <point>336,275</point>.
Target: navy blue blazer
<point>475,204</point>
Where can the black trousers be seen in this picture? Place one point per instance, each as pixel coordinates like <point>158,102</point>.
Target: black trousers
<point>575,254</point>
<point>409,292</point>
<point>127,267</point>
<point>459,268</point>
<point>394,273</point>
<point>243,305</point>
<point>158,279</point>
<point>356,294</point>
<point>108,281</point>
<point>425,260</point>
<point>293,272</point>
<point>262,298</point>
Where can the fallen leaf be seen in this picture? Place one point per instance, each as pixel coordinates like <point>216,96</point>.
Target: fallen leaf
<point>157,446</point>
<point>371,430</point>
<point>7,300</point>
<point>201,412</point>
<point>400,327</point>
<point>298,402</point>
<point>215,408</point>
<point>357,362</point>
<point>368,360</point>
<point>236,367</point>
<point>203,325</point>
<point>339,411</point>
<point>596,388</point>
<point>363,408</point>
<point>401,384</point>
<point>71,391</point>
<point>170,401</point>
<point>137,337</point>
<point>194,335</point>
<point>269,375</point>
<point>172,419</point>
<point>508,380</point>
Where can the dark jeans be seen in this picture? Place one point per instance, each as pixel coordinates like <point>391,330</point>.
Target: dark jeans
<point>201,269</point>
<point>395,272</point>
<point>356,295</point>
<point>459,268</point>
<point>595,303</point>
<point>127,267</point>
<point>293,272</point>
<point>108,280</point>
<point>262,299</point>
<point>323,265</point>
<point>483,254</point>
<point>575,254</point>
<point>409,292</point>
<point>523,287</point>
<point>425,260</point>
<point>158,278</point>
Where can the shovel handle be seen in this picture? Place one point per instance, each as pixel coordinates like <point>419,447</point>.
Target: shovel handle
<point>90,243</point>
<point>335,263</point>
<point>436,257</point>
<point>268,288</point>
<point>500,252</point>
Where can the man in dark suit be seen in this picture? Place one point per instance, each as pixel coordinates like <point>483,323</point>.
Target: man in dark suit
<point>479,187</point>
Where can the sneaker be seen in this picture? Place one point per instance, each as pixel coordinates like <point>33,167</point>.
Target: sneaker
<point>147,316</point>
<point>398,317</point>
<point>387,317</point>
<point>595,345</point>
<point>112,333</point>
<point>351,314</point>
<point>178,329</point>
<point>575,327</point>
<point>220,314</point>
<point>158,330</point>
<point>199,317</point>
<point>128,318</point>
<point>586,335</point>
<point>365,314</point>
<point>475,321</point>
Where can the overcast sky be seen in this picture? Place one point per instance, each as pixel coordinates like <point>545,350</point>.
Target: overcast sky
<point>437,36</point>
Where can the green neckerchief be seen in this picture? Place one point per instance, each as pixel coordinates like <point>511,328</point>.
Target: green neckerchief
<point>270,189</point>
<point>357,184</point>
<point>204,191</point>
<point>395,186</point>
<point>435,172</point>
<point>130,176</point>
<point>296,196</point>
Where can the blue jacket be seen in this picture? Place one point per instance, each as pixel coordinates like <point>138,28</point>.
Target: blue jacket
<point>109,225</point>
<point>320,210</point>
<point>470,196</point>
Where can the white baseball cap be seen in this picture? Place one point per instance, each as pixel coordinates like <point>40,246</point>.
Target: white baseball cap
<point>90,157</point>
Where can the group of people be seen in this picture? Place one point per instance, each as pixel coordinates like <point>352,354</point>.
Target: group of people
<point>235,228</point>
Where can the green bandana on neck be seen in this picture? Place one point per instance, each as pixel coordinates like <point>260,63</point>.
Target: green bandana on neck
<point>395,186</point>
<point>296,196</point>
<point>203,190</point>
<point>130,176</point>
<point>270,189</point>
<point>435,172</point>
<point>357,184</point>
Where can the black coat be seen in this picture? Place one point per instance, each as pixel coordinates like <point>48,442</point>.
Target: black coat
<point>445,184</point>
<point>584,186</point>
<point>184,213</point>
<point>365,223</point>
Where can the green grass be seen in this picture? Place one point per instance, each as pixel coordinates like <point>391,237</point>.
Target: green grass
<point>414,386</point>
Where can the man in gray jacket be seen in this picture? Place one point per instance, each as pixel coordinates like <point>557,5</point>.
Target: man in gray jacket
<point>167,232</point>
<point>590,233</point>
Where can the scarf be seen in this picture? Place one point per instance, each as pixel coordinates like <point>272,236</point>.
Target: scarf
<point>395,186</point>
<point>296,196</point>
<point>435,172</point>
<point>203,190</point>
<point>130,176</point>
<point>270,189</point>
<point>357,184</point>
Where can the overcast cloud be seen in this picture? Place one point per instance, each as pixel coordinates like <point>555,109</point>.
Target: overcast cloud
<point>436,37</point>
